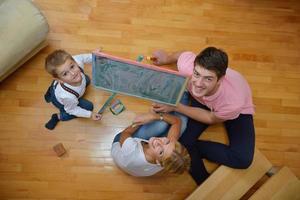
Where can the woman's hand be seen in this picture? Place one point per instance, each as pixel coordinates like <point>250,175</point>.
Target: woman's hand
<point>144,118</point>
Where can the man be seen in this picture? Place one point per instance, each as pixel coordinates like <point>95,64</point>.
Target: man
<point>218,95</point>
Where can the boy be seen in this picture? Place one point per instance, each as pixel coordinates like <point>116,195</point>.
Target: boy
<point>68,87</point>
<point>140,157</point>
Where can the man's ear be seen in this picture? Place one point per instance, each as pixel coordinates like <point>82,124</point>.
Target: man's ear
<point>220,80</point>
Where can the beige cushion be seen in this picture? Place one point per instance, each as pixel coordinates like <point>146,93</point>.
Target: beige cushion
<point>23,30</point>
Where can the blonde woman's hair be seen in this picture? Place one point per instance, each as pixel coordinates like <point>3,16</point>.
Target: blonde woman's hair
<point>178,162</point>
<point>55,59</point>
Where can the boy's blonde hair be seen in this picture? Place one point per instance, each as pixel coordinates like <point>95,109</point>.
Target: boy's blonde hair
<point>55,59</point>
<point>178,162</point>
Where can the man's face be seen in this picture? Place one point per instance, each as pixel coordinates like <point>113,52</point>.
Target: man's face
<point>69,72</point>
<point>204,82</point>
<point>161,147</point>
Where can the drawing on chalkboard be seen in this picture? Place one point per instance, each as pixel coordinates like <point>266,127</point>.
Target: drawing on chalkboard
<point>136,79</point>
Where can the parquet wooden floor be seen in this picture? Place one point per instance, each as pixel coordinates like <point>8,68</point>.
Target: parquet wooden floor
<point>262,39</point>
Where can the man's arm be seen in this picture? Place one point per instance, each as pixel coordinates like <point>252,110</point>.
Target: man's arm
<point>161,57</point>
<point>198,114</point>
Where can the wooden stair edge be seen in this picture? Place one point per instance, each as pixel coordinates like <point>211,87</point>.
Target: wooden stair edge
<point>282,185</point>
<point>229,183</point>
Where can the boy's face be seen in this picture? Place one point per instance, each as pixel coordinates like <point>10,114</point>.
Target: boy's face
<point>69,72</point>
<point>160,147</point>
<point>204,82</point>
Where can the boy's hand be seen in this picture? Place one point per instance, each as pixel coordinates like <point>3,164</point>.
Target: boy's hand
<point>96,116</point>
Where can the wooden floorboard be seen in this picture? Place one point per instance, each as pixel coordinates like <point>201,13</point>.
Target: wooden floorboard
<point>261,37</point>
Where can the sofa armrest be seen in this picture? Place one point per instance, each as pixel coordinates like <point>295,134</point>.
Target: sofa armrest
<point>23,28</point>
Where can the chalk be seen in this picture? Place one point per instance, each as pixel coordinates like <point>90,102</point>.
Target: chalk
<point>107,103</point>
<point>151,58</point>
<point>140,58</point>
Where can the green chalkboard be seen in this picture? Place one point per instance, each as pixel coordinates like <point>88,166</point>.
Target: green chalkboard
<point>132,78</point>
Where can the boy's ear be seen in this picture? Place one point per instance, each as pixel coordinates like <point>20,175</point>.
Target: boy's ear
<point>58,80</point>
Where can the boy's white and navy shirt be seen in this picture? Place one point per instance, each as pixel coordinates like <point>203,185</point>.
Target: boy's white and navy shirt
<point>69,100</point>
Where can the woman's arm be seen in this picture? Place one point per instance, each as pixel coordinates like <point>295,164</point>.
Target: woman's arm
<point>173,120</point>
<point>128,132</point>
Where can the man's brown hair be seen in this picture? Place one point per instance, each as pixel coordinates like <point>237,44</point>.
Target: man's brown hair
<point>213,59</point>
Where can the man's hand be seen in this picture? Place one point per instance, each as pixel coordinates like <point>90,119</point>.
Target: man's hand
<point>157,107</point>
<point>96,116</point>
<point>160,57</point>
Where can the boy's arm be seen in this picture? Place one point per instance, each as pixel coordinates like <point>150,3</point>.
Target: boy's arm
<point>128,132</point>
<point>71,107</point>
<point>82,59</point>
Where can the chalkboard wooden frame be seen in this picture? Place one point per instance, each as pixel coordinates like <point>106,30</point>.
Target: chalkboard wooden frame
<point>124,76</point>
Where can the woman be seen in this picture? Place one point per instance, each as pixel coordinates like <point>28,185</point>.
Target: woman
<point>150,144</point>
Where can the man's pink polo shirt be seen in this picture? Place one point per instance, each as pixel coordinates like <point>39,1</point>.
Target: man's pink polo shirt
<point>233,96</point>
